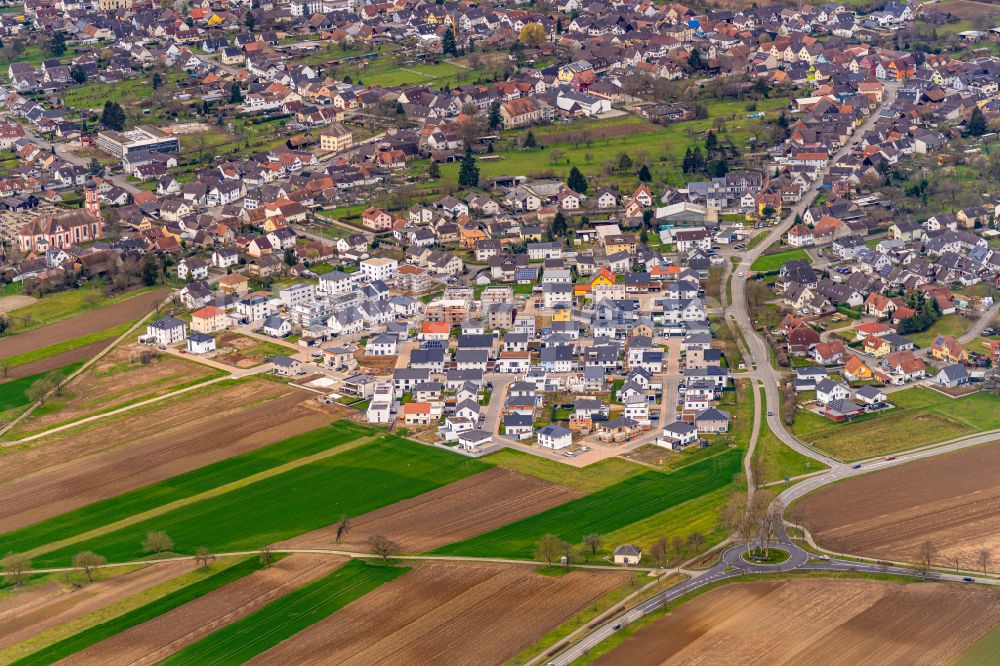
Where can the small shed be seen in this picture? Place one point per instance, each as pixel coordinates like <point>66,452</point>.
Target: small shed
<point>627,554</point>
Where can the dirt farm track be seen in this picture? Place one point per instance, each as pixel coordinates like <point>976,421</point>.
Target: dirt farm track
<point>447,614</point>
<point>815,621</point>
<point>74,327</point>
<point>951,500</point>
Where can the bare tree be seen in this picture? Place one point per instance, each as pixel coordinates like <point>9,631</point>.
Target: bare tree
<point>736,518</point>
<point>383,546</point>
<point>343,527</point>
<point>677,544</point>
<point>984,557</point>
<point>593,542</point>
<point>88,562</point>
<point>549,547</point>
<point>266,555</point>
<point>925,556</point>
<point>883,566</point>
<point>203,557</point>
<point>556,155</point>
<point>157,541</point>
<point>696,540</point>
<point>658,551</point>
<point>14,566</point>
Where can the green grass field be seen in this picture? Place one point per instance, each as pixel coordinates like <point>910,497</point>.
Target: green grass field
<point>983,652</point>
<point>602,512</point>
<point>922,416</point>
<point>588,479</point>
<point>92,95</point>
<point>279,507</point>
<point>953,324</point>
<point>106,512</point>
<point>13,393</point>
<point>99,632</point>
<point>773,262</point>
<point>281,619</point>
<point>664,146</point>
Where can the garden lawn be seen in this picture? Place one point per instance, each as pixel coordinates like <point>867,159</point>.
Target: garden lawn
<point>99,632</point>
<point>613,508</point>
<point>922,416</point>
<point>239,642</point>
<point>106,512</point>
<point>772,262</point>
<point>280,507</point>
<point>92,95</point>
<point>14,393</point>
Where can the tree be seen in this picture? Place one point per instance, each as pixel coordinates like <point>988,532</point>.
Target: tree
<point>494,119</point>
<point>529,140</point>
<point>113,116</point>
<point>711,143</point>
<point>448,46</point>
<point>57,44</point>
<point>88,561</point>
<point>157,541</point>
<point>77,74</point>
<point>695,61</point>
<point>203,557</point>
<point>556,155</point>
<point>95,168</point>
<point>576,181</point>
<point>383,546</point>
<point>593,542</point>
<point>983,557</point>
<point>266,555</point>
<point>150,270</point>
<point>235,94</point>
<point>433,170</point>
<point>696,540</point>
<point>658,551</point>
<point>250,21</point>
<point>549,547</point>
<point>39,389</point>
<point>977,123</point>
<point>468,172</point>
<point>624,162</point>
<point>289,256</point>
<point>14,566</point>
<point>559,226</point>
<point>677,544</point>
<point>644,175</point>
<point>925,556</point>
<point>532,35</point>
<point>343,527</point>
<point>157,80</point>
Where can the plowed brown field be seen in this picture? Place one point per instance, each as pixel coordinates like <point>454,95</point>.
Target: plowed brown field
<point>25,614</point>
<point>58,360</point>
<point>85,465</point>
<point>443,614</point>
<point>815,621</point>
<point>951,500</point>
<point>474,505</point>
<point>159,638</point>
<point>74,327</point>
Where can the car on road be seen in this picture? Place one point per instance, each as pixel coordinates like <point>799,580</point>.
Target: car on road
<point>770,412</point>
<point>823,557</point>
<point>616,626</point>
<point>740,274</point>
<point>968,579</point>
<point>677,417</point>
<point>890,457</point>
<point>856,466</point>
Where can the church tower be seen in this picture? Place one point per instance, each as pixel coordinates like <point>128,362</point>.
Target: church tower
<point>91,203</point>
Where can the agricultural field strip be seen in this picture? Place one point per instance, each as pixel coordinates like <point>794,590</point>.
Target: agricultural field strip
<point>291,503</point>
<point>215,479</point>
<point>162,636</point>
<point>286,616</point>
<point>616,506</point>
<point>79,641</point>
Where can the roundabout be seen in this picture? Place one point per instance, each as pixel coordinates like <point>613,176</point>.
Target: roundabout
<point>768,556</point>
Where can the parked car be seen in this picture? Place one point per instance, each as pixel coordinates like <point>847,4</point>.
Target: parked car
<point>856,466</point>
